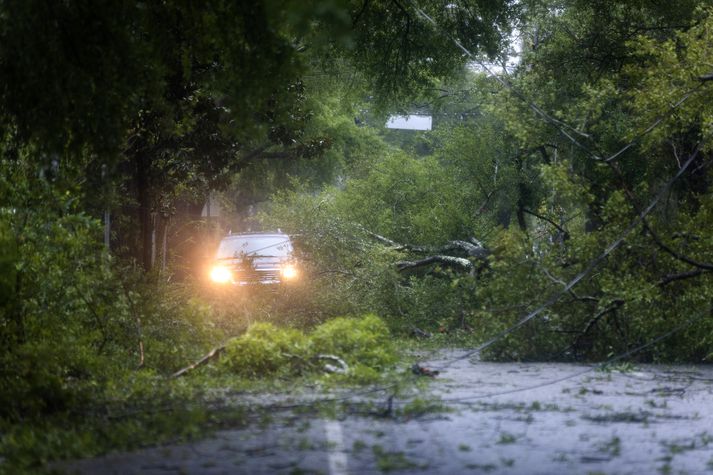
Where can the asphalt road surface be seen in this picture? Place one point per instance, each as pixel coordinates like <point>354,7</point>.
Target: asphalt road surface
<point>494,418</point>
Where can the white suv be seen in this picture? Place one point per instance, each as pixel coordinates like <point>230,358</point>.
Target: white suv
<point>254,258</point>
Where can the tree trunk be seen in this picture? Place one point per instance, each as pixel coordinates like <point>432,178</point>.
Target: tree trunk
<point>164,244</point>
<point>153,240</point>
<point>107,230</point>
<point>523,199</point>
<point>145,221</point>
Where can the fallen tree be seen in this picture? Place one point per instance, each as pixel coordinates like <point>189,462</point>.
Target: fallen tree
<point>456,254</point>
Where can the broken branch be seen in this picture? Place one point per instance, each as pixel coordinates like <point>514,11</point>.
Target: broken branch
<point>676,255</point>
<point>667,279</point>
<point>205,359</point>
<point>459,263</point>
<point>565,234</point>
<point>341,368</point>
<point>474,248</point>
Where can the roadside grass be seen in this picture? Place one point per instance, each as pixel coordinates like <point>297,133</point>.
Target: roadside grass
<point>168,416</point>
<point>142,408</point>
<point>111,425</point>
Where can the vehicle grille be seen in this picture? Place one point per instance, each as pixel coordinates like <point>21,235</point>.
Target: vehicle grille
<point>253,276</point>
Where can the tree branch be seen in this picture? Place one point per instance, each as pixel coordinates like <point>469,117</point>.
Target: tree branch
<point>667,279</point>
<point>205,359</point>
<point>357,17</point>
<point>277,155</point>
<point>674,254</point>
<point>565,234</point>
<point>593,321</point>
<point>472,248</point>
<point>459,263</point>
<point>583,298</point>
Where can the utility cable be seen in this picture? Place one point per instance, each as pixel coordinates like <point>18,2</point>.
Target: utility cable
<point>587,270</point>
<point>391,387</point>
<point>561,126</point>
<point>687,323</point>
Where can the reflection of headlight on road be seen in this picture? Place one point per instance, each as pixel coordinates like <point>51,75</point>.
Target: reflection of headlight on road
<point>289,272</point>
<point>220,274</point>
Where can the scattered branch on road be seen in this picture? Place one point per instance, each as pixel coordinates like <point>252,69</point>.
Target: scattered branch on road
<point>417,332</point>
<point>341,368</point>
<point>212,354</point>
<point>419,370</point>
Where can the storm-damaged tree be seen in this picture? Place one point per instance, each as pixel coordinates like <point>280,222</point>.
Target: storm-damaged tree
<point>565,158</point>
<point>128,106</point>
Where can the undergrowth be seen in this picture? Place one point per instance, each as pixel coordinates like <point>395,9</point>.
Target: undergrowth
<point>144,407</point>
<point>363,345</point>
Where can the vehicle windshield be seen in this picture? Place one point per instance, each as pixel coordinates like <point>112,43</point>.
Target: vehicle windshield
<point>272,246</point>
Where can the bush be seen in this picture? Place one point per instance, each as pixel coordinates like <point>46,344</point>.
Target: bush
<point>71,317</point>
<point>266,350</point>
<point>365,341</point>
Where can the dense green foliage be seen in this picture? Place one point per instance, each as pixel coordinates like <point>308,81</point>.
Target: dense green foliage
<point>129,114</point>
<point>363,344</point>
<point>549,169</point>
<point>657,279</point>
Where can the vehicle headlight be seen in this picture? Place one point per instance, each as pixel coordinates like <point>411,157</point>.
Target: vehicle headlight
<point>289,272</point>
<point>221,275</point>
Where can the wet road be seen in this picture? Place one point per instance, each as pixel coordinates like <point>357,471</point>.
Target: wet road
<point>498,418</point>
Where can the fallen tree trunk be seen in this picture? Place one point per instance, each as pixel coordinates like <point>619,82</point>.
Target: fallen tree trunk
<point>459,263</point>
<point>471,249</point>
